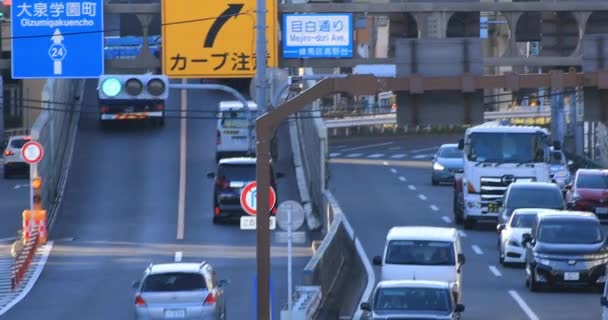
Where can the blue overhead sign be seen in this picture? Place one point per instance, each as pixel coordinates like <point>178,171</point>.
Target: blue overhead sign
<point>57,39</point>
<point>318,35</point>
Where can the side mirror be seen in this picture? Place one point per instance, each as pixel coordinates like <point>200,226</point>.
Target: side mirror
<point>500,227</point>
<point>570,163</point>
<point>525,239</point>
<point>604,301</point>
<point>557,145</point>
<point>461,259</point>
<point>377,261</point>
<point>210,175</point>
<point>568,187</point>
<point>459,308</point>
<point>461,144</point>
<point>135,285</point>
<point>366,306</point>
<point>222,283</point>
<point>280,175</point>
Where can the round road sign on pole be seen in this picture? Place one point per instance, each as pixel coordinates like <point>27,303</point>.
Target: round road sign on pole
<point>297,215</point>
<point>32,152</point>
<point>248,198</point>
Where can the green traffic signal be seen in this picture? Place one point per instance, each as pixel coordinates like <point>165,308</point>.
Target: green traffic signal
<point>111,87</point>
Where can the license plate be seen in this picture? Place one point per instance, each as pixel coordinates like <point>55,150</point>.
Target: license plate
<point>601,210</point>
<point>492,207</point>
<point>571,276</point>
<point>175,313</point>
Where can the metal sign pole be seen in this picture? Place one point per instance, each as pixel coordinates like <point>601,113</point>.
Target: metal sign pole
<point>33,175</point>
<point>289,275</point>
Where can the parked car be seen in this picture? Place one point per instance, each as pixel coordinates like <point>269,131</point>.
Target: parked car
<point>12,159</point>
<point>180,291</point>
<point>589,192</point>
<point>412,299</point>
<point>447,162</point>
<point>566,248</point>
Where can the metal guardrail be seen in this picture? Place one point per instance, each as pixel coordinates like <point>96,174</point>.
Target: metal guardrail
<point>387,119</point>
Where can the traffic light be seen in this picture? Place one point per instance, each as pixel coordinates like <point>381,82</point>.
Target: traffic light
<point>37,194</point>
<point>133,87</point>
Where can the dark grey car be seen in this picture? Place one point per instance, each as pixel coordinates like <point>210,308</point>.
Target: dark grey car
<point>447,162</point>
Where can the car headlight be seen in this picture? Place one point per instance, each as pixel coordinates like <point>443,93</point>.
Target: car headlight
<point>562,174</point>
<point>543,261</point>
<point>437,166</point>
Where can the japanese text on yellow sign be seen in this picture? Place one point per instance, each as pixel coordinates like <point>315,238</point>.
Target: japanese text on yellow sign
<point>214,39</point>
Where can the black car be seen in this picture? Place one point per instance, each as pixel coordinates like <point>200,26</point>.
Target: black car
<point>528,195</point>
<point>232,175</point>
<point>565,248</point>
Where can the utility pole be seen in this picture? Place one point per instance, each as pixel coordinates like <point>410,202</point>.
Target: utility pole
<point>262,174</point>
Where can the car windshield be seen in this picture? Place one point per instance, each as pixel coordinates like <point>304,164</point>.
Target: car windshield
<point>176,281</point>
<point>234,119</point>
<point>412,299</point>
<point>570,232</point>
<point>556,158</point>
<point>548,198</point>
<point>592,181</point>
<point>450,152</point>
<point>420,253</point>
<point>506,147</point>
<point>522,221</point>
<point>18,143</point>
<point>237,172</point>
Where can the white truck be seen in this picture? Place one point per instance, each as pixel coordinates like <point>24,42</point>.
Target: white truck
<point>496,155</point>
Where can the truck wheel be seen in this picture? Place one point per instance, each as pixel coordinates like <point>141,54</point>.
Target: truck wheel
<point>457,210</point>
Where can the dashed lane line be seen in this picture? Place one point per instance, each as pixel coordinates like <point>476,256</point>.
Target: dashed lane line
<point>477,249</point>
<point>495,271</point>
<point>412,187</point>
<point>393,170</point>
<point>335,154</point>
<point>354,155</point>
<point>398,156</point>
<point>367,146</point>
<point>446,219</point>
<point>422,197</point>
<point>462,234</point>
<point>178,256</point>
<point>523,305</point>
<point>434,207</point>
<point>376,155</point>
<point>402,179</point>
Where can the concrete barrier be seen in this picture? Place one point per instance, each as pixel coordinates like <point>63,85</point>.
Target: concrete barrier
<point>340,267</point>
<point>55,128</point>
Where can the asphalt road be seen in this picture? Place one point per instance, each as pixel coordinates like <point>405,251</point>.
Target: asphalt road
<point>120,213</point>
<point>399,192</point>
<point>14,198</point>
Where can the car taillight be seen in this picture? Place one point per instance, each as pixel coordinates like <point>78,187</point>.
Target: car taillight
<point>139,301</point>
<point>274,210</point>
<point>158,107</point>
<point>217,211</point>
<point>219,138</point>
<point>222,184</point>
<point>104,109</point>
<point>8,153</point>
<point>210,299</point>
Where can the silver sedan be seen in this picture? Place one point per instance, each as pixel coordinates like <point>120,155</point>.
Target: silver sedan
<point>179,291</point>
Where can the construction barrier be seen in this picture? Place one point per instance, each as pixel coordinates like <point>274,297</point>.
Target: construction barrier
<point>40,223</point>
<point>24,259</point>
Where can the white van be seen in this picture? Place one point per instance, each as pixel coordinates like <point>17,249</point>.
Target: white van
<point>232,126</point>
<point>423,253</point>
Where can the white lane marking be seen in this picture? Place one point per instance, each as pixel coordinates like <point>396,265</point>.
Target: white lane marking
<point>354,155</point>
<point>423,150</point>
<point>495,271</point>
<point>398,156</point>
<point>178,256</point>
<point>434,207</point>
<point>446,219</point>
<point>334,154</point>
<point>523,305</point>
<point>340,146</point>
<point>394,148</point>
<point>367,146</point>
<point>385,163</point>
<point>181,202</point>
<point>462,233</point>
<point>477,249</point>
<point>30,283</point>
<point>376,155</point>
<point>402,178</point>
<point>412,187</point>
<point>393,170</point>
<point>420,156</point>
<point>19,186</point>
<point>422,197</point>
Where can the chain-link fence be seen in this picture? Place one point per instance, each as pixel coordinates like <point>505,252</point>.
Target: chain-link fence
<point>55,129</point>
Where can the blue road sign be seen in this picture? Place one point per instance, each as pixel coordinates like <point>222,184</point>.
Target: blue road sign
<point>57,39</point>
<point>318,35</point>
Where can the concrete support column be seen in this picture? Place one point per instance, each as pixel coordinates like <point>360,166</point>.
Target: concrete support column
<point>512,20</point>
<point>432,25</point>
<point>581,20</point>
